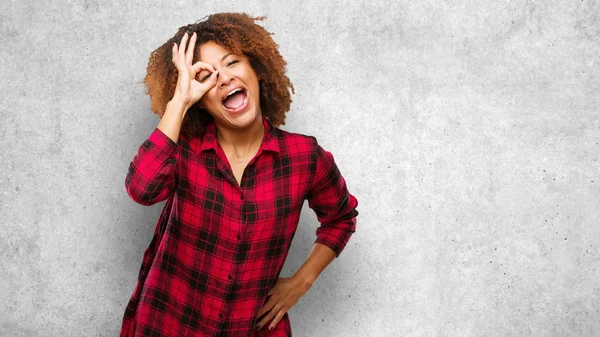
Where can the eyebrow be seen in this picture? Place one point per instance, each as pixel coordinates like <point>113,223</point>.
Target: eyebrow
<point>224,57</point>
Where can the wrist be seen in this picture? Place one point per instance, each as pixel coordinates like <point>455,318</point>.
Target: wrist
<point>176,106</point>
<point>304,279</point>
<point>178,101</point>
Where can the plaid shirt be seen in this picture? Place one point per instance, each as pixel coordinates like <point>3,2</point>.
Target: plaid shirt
<point>219,246</point>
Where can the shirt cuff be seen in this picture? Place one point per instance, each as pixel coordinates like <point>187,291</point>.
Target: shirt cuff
<point>336,235</point>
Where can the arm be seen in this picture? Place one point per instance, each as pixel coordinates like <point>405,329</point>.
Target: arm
<point>333,205</point>
<point>287,291</point>
<point>336,210</point>
<point>151,175</point>
<point>319,258</point>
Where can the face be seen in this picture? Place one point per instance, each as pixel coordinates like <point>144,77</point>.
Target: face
<point>234,102</point>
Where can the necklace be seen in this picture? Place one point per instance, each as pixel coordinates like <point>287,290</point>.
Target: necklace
<point>240,158</point>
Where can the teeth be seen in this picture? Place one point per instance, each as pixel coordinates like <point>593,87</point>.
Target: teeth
<point>233,92</point>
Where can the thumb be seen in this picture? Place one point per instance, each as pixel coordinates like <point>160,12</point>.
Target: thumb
<point>201,88</point>
<point>211,82</point>
<point>213,76</point>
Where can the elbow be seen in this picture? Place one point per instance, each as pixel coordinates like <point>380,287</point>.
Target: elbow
<point>144,196</point>
<point>139,197</point>
<point>336,235</point>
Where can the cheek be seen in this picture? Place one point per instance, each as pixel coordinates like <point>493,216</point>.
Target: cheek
<point>209,99</point>
<point>258,88</point>
<point>253,81</point>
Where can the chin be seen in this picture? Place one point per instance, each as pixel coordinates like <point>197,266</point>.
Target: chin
<point>243,120</point>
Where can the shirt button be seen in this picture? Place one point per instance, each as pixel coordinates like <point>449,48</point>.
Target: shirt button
<point>229,277</point>
<point>220,315</point>
<point>239,237</point>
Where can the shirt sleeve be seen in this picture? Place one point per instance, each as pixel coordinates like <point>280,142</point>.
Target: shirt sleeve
<point>334,206</point>
<point>151,177</point>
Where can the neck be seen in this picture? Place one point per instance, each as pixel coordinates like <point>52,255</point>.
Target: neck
<point>240,138</point>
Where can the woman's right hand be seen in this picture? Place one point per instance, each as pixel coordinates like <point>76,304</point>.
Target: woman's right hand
<point>188,90</point>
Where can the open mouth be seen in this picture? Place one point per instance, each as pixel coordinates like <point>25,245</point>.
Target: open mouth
<point>236,100</point>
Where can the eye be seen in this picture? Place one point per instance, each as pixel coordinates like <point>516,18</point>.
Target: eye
<point>205,77</point>
<point>232,62</point>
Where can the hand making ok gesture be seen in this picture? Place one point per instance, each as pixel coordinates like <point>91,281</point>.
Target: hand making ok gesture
<point>188,90</point>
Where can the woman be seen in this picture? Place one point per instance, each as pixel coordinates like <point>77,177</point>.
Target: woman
<point>234,185</point>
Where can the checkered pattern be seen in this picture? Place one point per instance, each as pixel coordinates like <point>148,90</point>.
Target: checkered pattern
<point>219,246</point>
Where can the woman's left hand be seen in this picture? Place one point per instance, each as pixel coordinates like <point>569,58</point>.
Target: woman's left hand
<point>284,295</point>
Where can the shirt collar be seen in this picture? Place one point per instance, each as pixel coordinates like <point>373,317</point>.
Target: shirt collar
<point>209,138</point>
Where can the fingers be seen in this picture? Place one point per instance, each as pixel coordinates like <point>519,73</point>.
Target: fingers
<point>199,87</point>
<point>189,54</point>
<point>276,320</point>
<point>266,319</point>
<point>181,51</point>
<point>267,306</point>
<point>198,66</point>
<point>183,54</point>
<point>174,57</point>
<point>177,52</point>
<point>275,315</point>
<point>183,58</point>
<point>269,310</point>
<point>213,78</point>
<point>206,83</point>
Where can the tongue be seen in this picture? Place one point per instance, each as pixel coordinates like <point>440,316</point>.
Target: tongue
<point>235,100</point>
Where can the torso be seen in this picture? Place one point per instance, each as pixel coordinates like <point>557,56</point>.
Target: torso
<point>238,168</point>
<point>213,238</point>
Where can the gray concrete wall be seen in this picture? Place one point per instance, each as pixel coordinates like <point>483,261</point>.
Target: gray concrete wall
<point>468,130</point>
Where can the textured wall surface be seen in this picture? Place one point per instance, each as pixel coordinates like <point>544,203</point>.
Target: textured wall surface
<point>469,131</point>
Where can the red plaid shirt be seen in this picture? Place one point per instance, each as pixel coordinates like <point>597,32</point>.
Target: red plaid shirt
<point>219,246</point>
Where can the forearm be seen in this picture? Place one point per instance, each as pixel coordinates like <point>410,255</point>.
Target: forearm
<point>170,123</point>
<point>318,259</point>
<point>151,174</point>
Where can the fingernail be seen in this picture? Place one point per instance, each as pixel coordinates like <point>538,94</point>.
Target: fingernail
<point>270,328</point>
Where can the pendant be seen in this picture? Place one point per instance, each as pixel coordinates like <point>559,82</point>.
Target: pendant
<point>239,158</point>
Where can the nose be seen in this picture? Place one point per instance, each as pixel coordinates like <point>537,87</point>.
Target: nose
<point>224,77</point>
